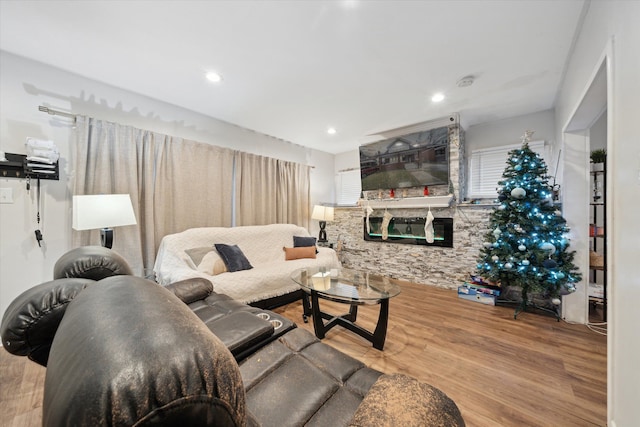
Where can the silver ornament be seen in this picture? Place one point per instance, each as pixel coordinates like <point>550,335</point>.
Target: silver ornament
<point>518,193</point>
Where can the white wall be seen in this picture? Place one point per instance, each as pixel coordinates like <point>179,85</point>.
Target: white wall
<point>598,133</point>
<point>509,131</point>
<point>604,22</point>
<point>24,85</point>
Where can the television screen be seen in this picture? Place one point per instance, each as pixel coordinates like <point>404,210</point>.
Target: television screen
<point>413,160</point>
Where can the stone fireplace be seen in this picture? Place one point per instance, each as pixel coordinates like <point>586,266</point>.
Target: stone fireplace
<point>438,265</point>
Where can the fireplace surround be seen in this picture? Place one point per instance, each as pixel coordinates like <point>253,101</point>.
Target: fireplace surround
<point>410,231</point>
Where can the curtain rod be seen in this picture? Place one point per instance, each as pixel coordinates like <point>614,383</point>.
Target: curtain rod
<point>53,112</point>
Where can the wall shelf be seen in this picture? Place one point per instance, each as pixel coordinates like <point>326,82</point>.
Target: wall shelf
<point>17,166</point>
<point>410,202</point>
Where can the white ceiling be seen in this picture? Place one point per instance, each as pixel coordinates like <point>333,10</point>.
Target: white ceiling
<point>291,69</point>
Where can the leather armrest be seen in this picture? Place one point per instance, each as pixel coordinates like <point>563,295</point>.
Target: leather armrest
<point>32,319</point>
<point>191,290</point>
<point>128,353</point>
<point>399,400</point>
<point>91,262</point>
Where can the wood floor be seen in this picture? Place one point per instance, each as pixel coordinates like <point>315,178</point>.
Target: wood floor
<point>532,371</point>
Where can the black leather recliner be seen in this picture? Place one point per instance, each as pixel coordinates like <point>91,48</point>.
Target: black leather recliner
<point>122,350</point>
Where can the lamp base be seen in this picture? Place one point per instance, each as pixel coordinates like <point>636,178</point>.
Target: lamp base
<point>106,237</point>
<point>322,236</point>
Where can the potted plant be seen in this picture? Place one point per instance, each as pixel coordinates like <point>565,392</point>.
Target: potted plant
<point>598,157</point>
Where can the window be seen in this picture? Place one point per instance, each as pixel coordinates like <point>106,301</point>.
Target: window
<point>348,183</point>
<point>487,165</point>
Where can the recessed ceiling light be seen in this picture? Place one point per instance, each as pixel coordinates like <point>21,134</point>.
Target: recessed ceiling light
<point>331,131</point>
<point>214,77</point>
<point>437,97</point>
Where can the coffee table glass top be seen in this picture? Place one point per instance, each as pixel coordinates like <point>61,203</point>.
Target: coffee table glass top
<point>345,284</point>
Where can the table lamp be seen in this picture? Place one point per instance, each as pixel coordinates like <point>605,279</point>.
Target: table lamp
<point>102,211</point>
<point>322,214</point>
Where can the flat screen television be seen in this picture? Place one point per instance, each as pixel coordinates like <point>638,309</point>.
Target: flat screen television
<point>413,160</point>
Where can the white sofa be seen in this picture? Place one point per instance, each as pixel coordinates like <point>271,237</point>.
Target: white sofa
<point>262,245</point>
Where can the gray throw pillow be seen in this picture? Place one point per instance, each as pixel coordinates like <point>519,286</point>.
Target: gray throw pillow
<point>233,257</point>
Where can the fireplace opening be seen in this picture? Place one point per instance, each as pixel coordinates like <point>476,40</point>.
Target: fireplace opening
<point>410,231</point>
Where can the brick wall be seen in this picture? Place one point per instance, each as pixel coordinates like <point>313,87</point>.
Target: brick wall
<point>443,267</point>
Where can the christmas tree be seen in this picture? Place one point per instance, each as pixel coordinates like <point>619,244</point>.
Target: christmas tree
<point>526,245</point>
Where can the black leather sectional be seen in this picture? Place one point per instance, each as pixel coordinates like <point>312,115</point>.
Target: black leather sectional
<point>122,350</point>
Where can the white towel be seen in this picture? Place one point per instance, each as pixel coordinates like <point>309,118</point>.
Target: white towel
<point>38,149</point>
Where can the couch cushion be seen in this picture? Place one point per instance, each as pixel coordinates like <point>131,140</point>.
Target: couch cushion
<point>298,253</point>
<point>291,394</point>
<point>326,389</point>
<point>233,257</point>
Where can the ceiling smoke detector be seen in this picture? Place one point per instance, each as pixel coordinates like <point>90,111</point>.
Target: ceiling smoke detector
<point>466,81</point>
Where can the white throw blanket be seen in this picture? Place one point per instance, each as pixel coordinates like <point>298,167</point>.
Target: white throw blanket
<point>261,244</point>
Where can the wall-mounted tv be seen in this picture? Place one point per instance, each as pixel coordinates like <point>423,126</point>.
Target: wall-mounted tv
<point>413,160</point>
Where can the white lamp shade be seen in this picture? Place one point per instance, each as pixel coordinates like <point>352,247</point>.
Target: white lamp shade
<point>102,211</point>
<point>322,213</point>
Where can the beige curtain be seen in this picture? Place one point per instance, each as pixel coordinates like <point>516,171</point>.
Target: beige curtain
<point>174,184</point>
<point>270,191</point>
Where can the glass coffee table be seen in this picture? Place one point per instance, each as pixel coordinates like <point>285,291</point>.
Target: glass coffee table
<point>348,287</point>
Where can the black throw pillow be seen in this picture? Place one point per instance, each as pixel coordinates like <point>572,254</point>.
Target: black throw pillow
<point>303,242</point>
<point>233,257</point>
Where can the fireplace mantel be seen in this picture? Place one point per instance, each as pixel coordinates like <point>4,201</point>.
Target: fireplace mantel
<point>410,202</point>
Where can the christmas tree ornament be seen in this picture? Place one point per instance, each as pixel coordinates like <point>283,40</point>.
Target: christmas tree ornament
<point>522,248</point>
<point>496,244</point>
<point>549,263</point>
<point>497,232</point>
<point>487,244</point>
<point>502,207</point>
<point>518,193</point>
<point>508,266</point>
<point>548,247</point>
<point>555,301</point>
<point>495,258</point>
<point>560,275</point>
<point>502,197</point>
<point>525,262</point>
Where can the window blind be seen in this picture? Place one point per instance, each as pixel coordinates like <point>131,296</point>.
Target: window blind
<point>487,165</point>
<point>349,187</point>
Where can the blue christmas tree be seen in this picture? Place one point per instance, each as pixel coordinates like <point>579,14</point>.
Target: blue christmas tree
<point>527,245</point>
